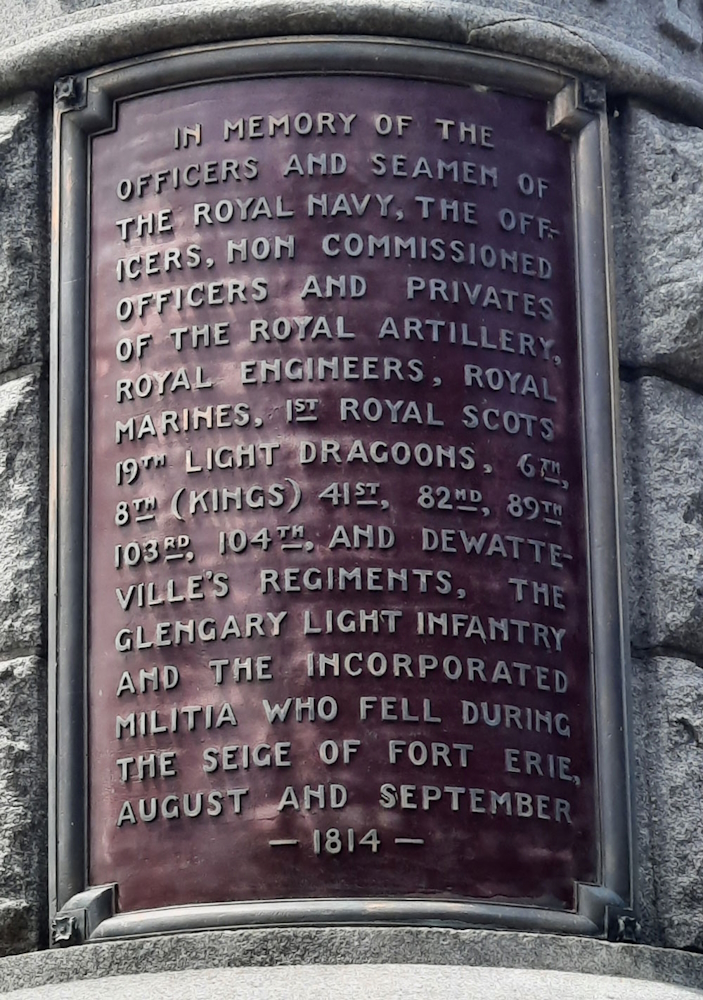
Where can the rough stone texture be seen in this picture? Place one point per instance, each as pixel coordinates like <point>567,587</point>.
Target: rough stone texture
<point>23,504</point>
<point>669,701</point>
<point>628,42</point>
<point>314,946</point>
<point>651,927</point>
<point>663,447</point>
<point>23,500</point>
<point>23,798</point>
<point>663,458</point>
<point>361,982</point>
<point>23,236</point>
<point>659,243</point>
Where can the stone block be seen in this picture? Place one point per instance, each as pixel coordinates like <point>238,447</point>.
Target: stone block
<point>24,328</point>
<point>263,950</point>
<point>358,982</point>
<point>659,243</point>
<point>668,697</point>
<point>23,822</point>
<point>651,930</point>
<point>23,500</point>
<point>663,456</point>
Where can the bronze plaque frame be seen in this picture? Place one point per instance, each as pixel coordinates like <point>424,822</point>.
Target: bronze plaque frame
<point>86,106</point>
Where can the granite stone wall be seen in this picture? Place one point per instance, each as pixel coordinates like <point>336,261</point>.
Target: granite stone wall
<point>658,222</point>
<point>651,48</point>
<point>658,169</point>
<point>24,256</point>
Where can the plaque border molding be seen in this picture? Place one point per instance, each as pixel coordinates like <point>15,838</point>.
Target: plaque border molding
<point>86,105</point>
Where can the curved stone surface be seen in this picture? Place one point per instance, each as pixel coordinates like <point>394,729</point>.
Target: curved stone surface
<point>361,982</point>
<point>357,948</point>
<point>645,47</point>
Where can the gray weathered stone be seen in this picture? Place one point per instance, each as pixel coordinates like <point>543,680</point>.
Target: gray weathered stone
<point>659,243</point>
<point>628,42</point>
<point>360,982</point>
<point>651,928</point>
<point>23,797</point>
<point>668,695</point>
<point>663,458</point>
<point>23,236</point>
<point>23,499</point>
<point>315,946</point>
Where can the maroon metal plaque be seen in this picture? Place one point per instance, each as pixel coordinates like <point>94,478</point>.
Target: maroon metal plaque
<point>338,629</point>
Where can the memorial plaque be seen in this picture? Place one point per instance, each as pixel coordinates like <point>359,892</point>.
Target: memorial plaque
<point>341,622</point>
